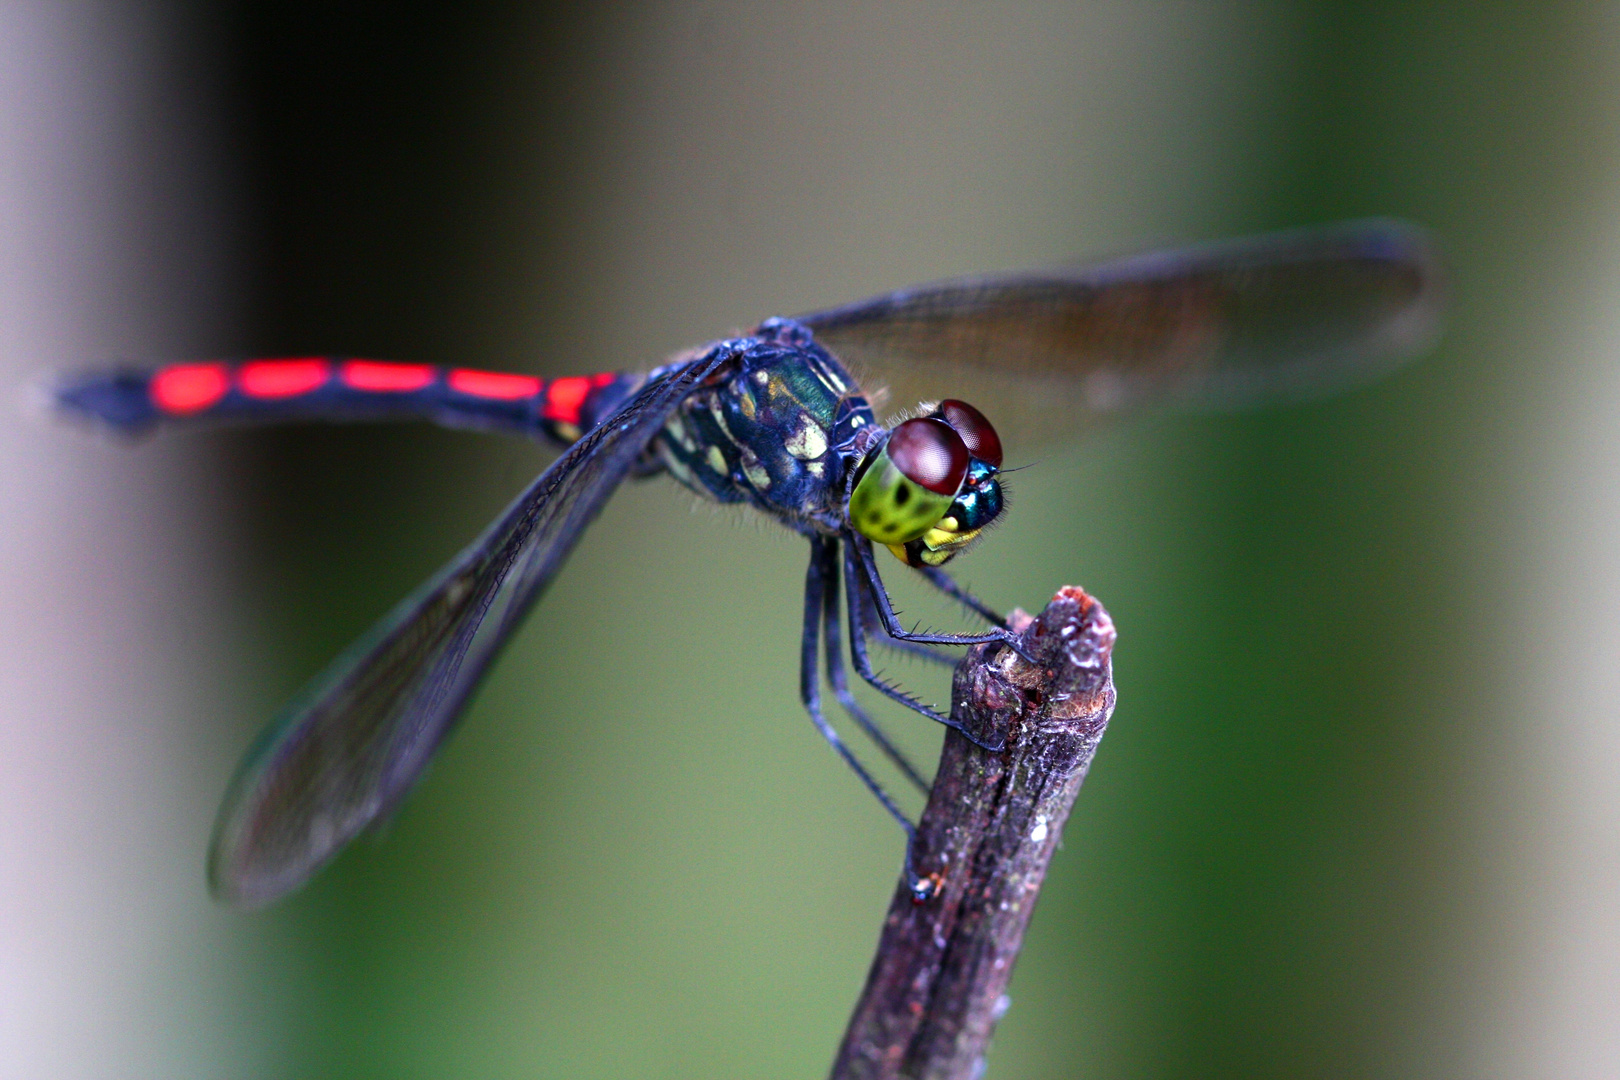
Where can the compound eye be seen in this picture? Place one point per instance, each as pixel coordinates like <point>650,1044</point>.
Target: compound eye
<point>980,437</point>
<point>931,453</point>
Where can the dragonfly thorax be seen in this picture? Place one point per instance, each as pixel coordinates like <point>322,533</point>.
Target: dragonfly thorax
<point>772,431</point>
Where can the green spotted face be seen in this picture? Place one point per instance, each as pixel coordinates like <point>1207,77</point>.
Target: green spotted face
<point>927,492</point>
<point>975,506</point>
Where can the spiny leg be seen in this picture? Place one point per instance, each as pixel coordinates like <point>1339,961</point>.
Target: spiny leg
<point>927,652</point>
<point>891,621</point>
<point>825,552</point>
<point>810,694</point>
<point>947,585</point>
<point>855,582</point>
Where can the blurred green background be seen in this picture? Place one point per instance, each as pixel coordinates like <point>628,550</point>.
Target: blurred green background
<point>1325,834</point>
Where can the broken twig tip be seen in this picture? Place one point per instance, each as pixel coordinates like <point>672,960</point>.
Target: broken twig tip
<point>938,983</point>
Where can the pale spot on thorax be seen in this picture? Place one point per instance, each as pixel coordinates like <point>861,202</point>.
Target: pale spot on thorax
<point>808,441</point>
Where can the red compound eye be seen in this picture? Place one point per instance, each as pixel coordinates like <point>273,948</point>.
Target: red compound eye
<point>982,440</point>
<point>930,452</point>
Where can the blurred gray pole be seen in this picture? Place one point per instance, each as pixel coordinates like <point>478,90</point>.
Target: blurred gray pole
<point>112,963</point>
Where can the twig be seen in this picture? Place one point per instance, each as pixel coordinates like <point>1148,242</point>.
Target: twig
<point>937,985</point>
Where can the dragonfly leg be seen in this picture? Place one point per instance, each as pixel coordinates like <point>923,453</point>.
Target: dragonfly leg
<point>891,620</point>
<point>825,552</point>
<point>869,617</point>
<point>810,694</point>
<point>940,580</point>
<point>947,585</point>
<point>855,583</point>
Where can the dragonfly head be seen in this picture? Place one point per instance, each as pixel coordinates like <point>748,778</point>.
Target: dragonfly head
<point>929,490</point>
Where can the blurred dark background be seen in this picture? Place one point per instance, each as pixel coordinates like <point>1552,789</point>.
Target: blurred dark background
<point>1332,829</point>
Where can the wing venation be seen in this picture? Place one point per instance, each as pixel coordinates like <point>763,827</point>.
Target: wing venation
<point>348,749</point>
<point>1284,315</point>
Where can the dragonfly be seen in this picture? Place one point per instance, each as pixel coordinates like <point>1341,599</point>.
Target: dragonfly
<point>775,420</point>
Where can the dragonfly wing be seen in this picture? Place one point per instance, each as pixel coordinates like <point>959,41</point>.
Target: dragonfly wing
<point>351,746</point>
<point>1283,315</point>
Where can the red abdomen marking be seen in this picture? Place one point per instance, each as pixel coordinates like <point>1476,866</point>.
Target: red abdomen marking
<point>282,378</point>
<point>183,389</point>
<point>493,384</point>
<point>374,377</point>
<point>340,388</point>
<point>565,397</point>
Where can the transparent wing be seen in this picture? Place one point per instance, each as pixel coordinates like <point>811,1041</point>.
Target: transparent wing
<point>1283,315</point>
<point>350,747</point>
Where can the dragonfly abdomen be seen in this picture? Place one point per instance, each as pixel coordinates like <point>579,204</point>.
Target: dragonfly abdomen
<point>329,388</point>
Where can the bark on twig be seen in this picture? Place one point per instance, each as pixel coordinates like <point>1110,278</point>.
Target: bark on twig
<point>937,985</point>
